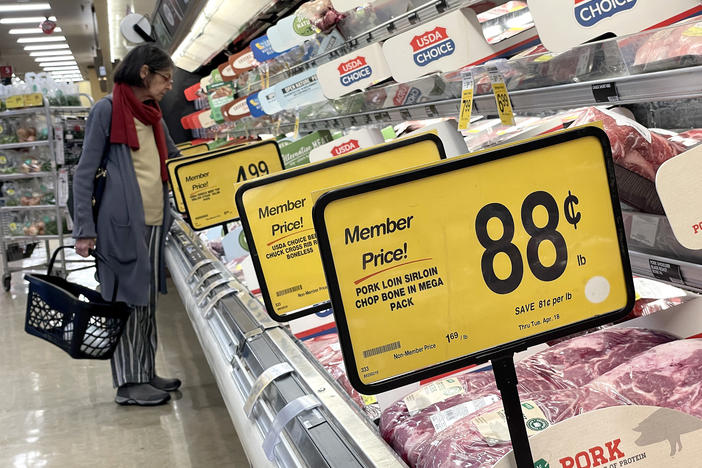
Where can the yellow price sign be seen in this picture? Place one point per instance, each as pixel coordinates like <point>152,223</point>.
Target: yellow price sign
<point>466,108</point>
<point>276,214</point>
<point>207,184</point>
<point>195,150</point>
<point>499,89</point>
<point>15,102</point>
<point>33,100</point>
<point>460,262</point>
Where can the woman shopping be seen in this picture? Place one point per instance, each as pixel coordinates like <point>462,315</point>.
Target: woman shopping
<point>126,135</point>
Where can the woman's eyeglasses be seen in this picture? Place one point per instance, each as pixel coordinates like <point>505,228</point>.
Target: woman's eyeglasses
<point>168,78</point>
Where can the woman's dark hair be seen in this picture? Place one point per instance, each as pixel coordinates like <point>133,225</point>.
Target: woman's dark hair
<point>154,57</point>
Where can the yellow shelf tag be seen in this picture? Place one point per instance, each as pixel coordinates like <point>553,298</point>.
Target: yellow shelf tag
<point>15,102</point>
<point>33,100</point>
<point>466,100</point>
<point>276,213</point>
<point>206,184</point>
<point>499,89</point>
<point>296,129</point>
<point>458,262</point>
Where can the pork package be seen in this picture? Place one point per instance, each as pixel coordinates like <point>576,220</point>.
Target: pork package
<point>482,439</point>
<point>572,363</point>
<point>325,348</point>
<point>669,376</point>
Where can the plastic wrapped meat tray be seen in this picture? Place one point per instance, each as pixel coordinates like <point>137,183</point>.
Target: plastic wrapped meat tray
<point>568,364</point>
<point>669,48</point>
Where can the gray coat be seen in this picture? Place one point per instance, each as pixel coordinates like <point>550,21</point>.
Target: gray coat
<point>121,229</point>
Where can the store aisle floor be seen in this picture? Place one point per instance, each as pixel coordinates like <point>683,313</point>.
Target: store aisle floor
<point>59,412</point>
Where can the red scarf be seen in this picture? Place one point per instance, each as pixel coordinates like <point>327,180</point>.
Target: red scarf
<point>125,108</point>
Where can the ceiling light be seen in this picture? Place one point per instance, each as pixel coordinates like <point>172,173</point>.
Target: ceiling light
<point>30,30</point>
<point>46,47</point>
<point>50,53</point>
<point>51,64</point>
<point>54,59</point>
<point>24,40</point>
<point>56,68</point>
<point>25,7</point>
<point>26,19</point>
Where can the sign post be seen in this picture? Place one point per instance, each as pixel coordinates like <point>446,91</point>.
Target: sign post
<point>474,259</point>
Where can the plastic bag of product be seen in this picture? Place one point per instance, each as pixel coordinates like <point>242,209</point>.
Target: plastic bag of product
<point>481,439</point>
<point>669,376</point>
<point>320,13</point>
<point>634,147</point>
<point>568,364</point>
<point>688,139</point>
<point>680,45</point>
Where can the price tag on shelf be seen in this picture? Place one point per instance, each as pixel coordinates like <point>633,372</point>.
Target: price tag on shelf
<point>15,102</point>
<point>276,213</point>
<point>466,100</point>
<point>499,89</point>
<point>422,283</point>
<point>59,148</point>
<point>207,184</point>
<point>33,100</point>
<point>296,129</point>
<point>277,125</point>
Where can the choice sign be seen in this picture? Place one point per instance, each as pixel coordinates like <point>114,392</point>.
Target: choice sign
<point>456,263</point>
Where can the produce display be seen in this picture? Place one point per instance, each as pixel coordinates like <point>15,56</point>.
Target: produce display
<point>30,192</point>
<point>25,161</point>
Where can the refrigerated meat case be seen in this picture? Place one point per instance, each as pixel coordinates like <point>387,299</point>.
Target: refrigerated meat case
<point>267,377</point>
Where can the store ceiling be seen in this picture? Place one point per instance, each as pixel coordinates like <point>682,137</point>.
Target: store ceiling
<point>74,17</point>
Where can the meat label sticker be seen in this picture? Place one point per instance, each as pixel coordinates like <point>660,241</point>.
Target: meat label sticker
<point>276,213</point>
<point>207,184</point>
<point>493,426</point>
<point>434,392</point>
<point>449,265</point>
<point>446,418</point>
<point>359,70</point>
<point>619,436</point>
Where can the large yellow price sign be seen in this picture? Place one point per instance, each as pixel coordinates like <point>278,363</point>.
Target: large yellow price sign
<point>207,184</point>
<point>460,262</point>
<point>194,150</point>
<point>276,213</point>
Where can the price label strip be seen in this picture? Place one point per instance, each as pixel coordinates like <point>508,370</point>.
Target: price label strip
<point>423,282</point>
<point>466,100</point>
<point>173,163</point>
<point>276,215</point>
<point>499,89</point>
<point>195,150</point>
<point>207,185</point>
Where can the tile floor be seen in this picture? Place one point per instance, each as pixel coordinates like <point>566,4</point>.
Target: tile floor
<point>59,412</point>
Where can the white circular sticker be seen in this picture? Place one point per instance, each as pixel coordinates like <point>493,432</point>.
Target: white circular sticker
<point>597,289</point>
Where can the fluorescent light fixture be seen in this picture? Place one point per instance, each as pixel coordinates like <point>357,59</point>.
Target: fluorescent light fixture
<point>51,64</point>
<point>61,68</point>
<point>25,7</point>
<point>46,47</point>
<point>50,53</point>
<point>31,30</point>
<point>26,20</point>
<point>54,58</point>
<point>25,40</point>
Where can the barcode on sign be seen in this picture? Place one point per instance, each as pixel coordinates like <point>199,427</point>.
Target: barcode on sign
<point>381,349</point>
<point>285,291</point>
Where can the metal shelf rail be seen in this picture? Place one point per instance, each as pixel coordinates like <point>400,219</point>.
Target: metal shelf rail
<point>246,349</point>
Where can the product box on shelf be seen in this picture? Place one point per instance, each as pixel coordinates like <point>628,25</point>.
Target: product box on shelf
<point>254,104</point>
<point>299,90</point>
<point>297,153</point>
<point>358,70</point>
<point>447,43</point>
<point>242,61</point>
<point>290,31</point>
<point>353,141</point>
<point>269,101</point>
<point>262,49</point>
<point>564,25</point>
<point>236,109</point>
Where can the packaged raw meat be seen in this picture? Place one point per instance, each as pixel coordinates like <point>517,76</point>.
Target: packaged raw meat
<point>634,147</point>
<point>568,364</point>
<point>679,46</point>
<point>320,13</point>
<point>669,375</point>
<point>481,439</point>
<point>688,139</point>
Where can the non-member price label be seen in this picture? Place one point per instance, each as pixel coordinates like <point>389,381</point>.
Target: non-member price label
<point>466,100</point>
<point>499,89</point>
<point>459,262</point>
<point>207,184</point>
<point>276,213</point>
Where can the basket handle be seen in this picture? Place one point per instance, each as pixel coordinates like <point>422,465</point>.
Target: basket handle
<point>95,254</point>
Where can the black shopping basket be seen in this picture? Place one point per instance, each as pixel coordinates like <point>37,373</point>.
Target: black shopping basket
<point>73,317</point>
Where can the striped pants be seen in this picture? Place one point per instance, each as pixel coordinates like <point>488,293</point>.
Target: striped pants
<point>134,357</point>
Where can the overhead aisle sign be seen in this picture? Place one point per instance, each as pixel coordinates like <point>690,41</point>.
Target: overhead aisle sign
<point>276,213</point>
<point>456,263</point>
<point>207,184</point>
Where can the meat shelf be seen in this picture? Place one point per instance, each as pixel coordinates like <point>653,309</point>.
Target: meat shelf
<point>241,342</point>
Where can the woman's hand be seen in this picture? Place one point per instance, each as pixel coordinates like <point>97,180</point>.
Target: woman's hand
<point>83,246</point>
